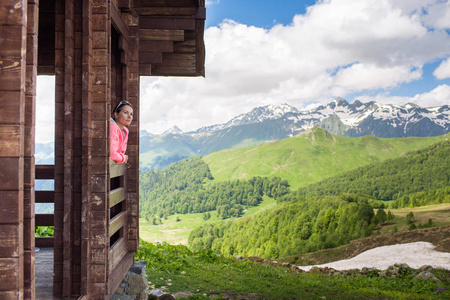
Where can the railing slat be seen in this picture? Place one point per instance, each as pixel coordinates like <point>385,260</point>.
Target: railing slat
<point>44,220</point>
<point>44,242</point>
<point>117,170</point>
<point>116,253</point>
<point>117,222</point>
<point>45,172</point>
<point>116,196</point>
<point>44,197</point>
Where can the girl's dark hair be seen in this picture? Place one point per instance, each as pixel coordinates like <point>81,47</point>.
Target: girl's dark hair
<point>121,104</point>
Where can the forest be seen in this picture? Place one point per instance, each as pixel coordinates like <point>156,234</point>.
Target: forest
<point>304,225</point>
<point>187,187</point>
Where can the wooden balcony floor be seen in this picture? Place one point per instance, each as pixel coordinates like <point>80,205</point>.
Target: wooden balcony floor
<point>44,274</point>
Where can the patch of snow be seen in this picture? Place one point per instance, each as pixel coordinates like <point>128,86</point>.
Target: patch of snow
<point>414,254</point>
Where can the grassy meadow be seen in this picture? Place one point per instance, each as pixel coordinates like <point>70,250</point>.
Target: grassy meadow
<point>174,232</point>
<point>310,156</point>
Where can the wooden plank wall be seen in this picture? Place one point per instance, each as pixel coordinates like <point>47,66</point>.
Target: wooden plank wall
<point>29,163</point>
<point>12,127</point>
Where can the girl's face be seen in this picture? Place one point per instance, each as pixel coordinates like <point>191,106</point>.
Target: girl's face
<point>124,116</point>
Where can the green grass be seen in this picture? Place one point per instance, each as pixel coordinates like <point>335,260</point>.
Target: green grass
<point>174,232</point>
<point>310,157</point>
<point>438,213</point>
<point>204,275</point>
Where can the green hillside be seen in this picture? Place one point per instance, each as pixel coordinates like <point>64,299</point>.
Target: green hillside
<point>310,156</point>
<point>418,171</point>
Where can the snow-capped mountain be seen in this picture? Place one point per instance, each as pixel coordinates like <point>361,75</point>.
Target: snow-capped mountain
<point>173,130</point>
<point>256,115</point>
<point>356,119</point>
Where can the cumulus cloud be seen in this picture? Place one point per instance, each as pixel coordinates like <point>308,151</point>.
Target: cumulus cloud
<point>45,109</point>
<point>336,48</point>
<point>437,97</point>
<point>443,71</point>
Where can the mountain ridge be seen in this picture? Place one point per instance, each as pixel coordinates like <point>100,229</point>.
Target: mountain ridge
<point>275,122</point>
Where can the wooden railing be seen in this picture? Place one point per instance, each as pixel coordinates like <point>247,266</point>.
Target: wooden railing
<point>118,216</point>
<point>44,172</point>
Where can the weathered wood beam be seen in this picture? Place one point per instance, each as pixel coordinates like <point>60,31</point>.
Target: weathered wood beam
<point>44,220</point>
<point>44,242</point>
<point>156,46</point>
<point>117,222</point>
<point>45,172</point>
<point>165,3</point>
<point>150,58</point>
<point>166,23</point>
<point>45,197</point>
<point>167,11</point>
<point>118,23</point>
<point>161,35</point>
<point>116,196</point>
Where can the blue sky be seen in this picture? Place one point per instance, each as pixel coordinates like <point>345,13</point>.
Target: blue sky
<point>259,13</point>
<point>303,53</point>
<point>306,53</point>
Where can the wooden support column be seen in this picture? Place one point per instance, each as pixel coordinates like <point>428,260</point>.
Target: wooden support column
<point>13,30</point>
<point>98,216</point>
<point>87,131</point>
<point>69,146</point>
<point>59,146</point>
<point>29,163</point>
<point>132,94</point>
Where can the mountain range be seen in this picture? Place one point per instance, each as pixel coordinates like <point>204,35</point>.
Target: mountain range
<point>275,122</point>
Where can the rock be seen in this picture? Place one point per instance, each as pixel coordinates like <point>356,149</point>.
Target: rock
<point>137,283</point>
<point>121,297</point>
<point>426,268</point>
<point>160,295</point>
<point>426,275</point>
<point>121,288</point>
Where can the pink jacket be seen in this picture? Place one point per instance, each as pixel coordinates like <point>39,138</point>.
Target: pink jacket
<point>118,142</point>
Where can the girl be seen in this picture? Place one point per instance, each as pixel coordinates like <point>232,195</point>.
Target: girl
<point>122,117</point>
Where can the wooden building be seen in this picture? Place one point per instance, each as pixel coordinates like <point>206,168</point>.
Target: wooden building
<point>96,49</point>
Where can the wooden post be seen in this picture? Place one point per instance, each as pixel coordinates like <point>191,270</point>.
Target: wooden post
<point>132,92</point>
<point>99,181</point>
<point>87,131</point>
<point>29,165</point>
<point>13,30</point>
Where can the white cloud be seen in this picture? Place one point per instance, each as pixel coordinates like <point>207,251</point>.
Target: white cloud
<point>211,2</point>
<point>45,109</point>
<point>443,71</point>
<point>437,97</point>
<point>360,76</point>
<point>336,48</point>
